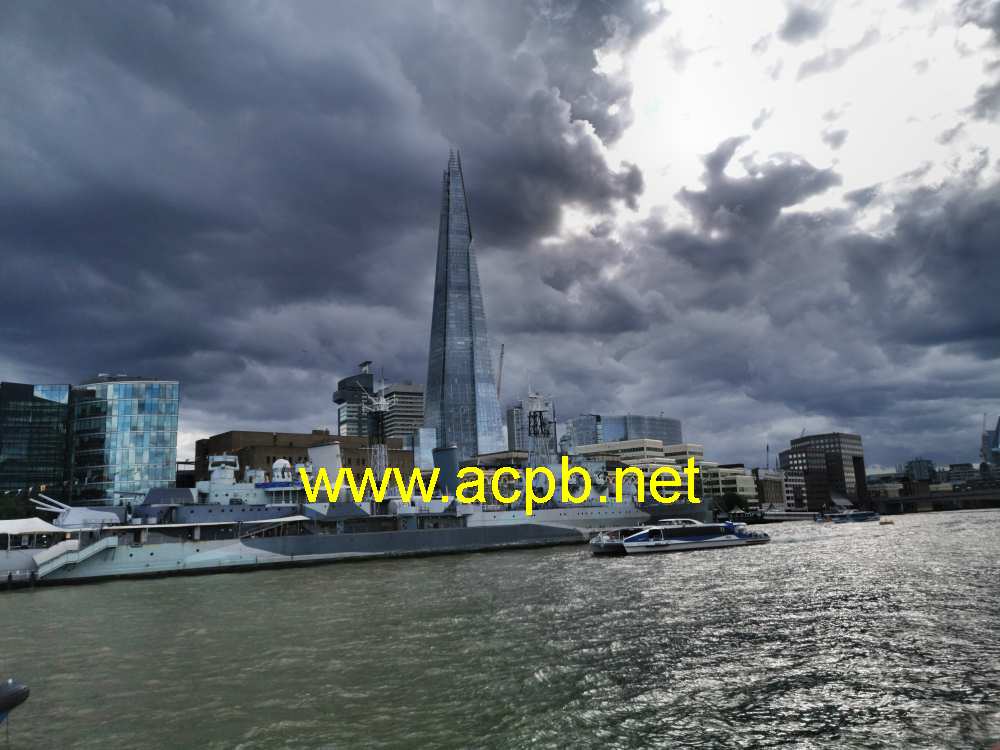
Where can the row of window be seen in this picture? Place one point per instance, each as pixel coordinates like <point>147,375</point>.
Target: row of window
<point>126,406</point>
<point>132,390</point>
<point>143,423</point>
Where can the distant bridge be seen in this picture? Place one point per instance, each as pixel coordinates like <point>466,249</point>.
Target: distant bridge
<point>966,500</point>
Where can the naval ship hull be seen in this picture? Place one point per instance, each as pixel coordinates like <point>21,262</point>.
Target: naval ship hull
<point>194,557</point>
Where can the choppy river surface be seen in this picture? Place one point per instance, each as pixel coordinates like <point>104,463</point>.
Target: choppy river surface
<point>850,636</point>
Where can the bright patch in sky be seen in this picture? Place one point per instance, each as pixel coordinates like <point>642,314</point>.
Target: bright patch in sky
<point>878,92</point>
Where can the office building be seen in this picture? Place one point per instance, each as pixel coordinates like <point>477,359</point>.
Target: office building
<point>532,419</point>
<point>990,446</point>
<point>588,429</point>
<point>834,468</point>
<point>770,486</point>
<point>795,490</point>
<point>124,439</point>
<point>919,470</point>
<point>351,396</point>
<point>461,401</point>
<point>34,438</point>
<point>406,410</point>
<point>963,474</point>
<point>721,481</point>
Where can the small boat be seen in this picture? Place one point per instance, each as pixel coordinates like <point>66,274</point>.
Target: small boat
<point>677,537</point>
<point>851,516</point>
<point>12,695</point>
<point>886,522</point>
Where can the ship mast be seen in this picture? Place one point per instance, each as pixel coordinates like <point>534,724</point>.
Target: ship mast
<point>376,406</point>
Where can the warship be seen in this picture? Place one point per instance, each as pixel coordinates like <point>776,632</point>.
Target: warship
<point>224,525</point>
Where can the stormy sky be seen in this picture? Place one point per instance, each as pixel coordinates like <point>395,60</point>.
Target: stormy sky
<point>758,217</point>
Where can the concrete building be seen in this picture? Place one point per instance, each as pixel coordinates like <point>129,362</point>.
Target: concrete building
<point>681,452</point>
<point>259,450</point>
<point>770,485</point>
<point>834,468</point>
<point>796,497</point>
<point>963,473</point>
<point>461,401</point>
<point>720,480</point>
<point>406,409</point>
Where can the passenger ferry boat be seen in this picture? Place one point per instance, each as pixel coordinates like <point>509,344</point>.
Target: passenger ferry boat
<point>678,535</point>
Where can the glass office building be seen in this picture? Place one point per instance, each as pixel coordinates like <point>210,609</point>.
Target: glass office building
<point>34,438</point>
<point>588,429</point>
<point>124,437</point>
<point>461,400</point>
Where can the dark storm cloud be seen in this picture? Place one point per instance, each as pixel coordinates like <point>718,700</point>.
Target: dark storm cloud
<point>781,319</point>
<point>751,203</point>
<point>832,59</point>
<point>246,196</point>
<point>802,23</point>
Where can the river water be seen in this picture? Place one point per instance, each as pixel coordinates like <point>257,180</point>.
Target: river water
<point>851,636</point>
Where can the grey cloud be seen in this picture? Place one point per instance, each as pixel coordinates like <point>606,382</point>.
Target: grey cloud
<point>986,15</point>
<point>987,103</point>
<point>797,316</point>
<point>863,196</point>
<point>949,135</point>
<point>834,138</point>
<point>763,116</point>
<point>801,23</point>
<point>753,202</point>
<point>761,45</point>
<point>832,59</point>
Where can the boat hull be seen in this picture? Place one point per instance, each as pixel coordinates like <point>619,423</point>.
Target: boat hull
<point>194,557</point>
<point>642,548</point>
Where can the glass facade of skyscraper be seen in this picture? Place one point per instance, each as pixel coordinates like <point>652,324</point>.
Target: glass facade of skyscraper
<point>34,443</point>
<point>124,437</point>
<point>461,400</point>
<point>588,429</point>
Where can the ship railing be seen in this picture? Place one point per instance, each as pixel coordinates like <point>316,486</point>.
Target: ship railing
<point>72,556</point>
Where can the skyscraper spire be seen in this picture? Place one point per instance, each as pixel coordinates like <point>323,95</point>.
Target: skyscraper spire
<point>461,399</point>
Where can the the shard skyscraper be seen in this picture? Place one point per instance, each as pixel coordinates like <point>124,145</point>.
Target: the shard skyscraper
<point>461,400</point>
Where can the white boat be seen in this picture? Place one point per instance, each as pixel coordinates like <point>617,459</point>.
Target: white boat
<point>691,536</point>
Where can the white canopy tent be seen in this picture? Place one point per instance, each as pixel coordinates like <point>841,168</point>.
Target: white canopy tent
<point>16,526</point>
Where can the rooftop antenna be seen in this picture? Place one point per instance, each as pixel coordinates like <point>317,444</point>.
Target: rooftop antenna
<point>500,377</point>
